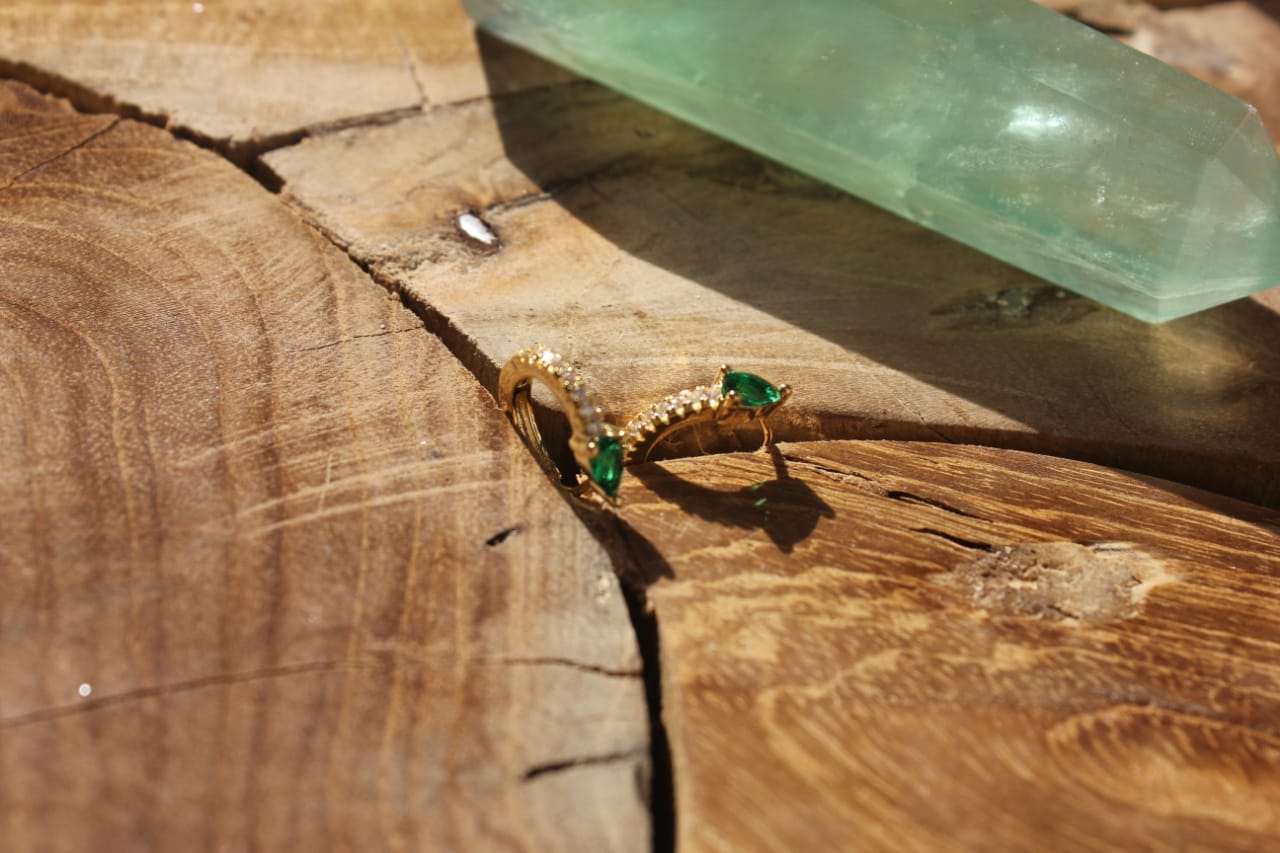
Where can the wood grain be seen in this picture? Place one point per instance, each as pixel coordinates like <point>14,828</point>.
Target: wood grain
<point>653,253</point>
<point>889,646</point>
<point>275,573</point>
<point>244,75</point>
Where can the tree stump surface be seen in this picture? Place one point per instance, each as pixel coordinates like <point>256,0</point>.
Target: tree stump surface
<point>932,647</point>
<point>248,599</point>
<point>275,573</point>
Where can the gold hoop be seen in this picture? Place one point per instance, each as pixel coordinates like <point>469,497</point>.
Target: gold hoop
<point>595,443</point>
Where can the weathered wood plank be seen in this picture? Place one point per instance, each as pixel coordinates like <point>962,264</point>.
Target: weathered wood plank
<point>245,75</point>
<point>274,573</point>
<point>888,646</point>
<point>653,253</point>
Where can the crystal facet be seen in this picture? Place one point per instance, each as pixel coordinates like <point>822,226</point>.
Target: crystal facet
<point>997,122</point>
<point>606,468</point>
<point>753,390</point>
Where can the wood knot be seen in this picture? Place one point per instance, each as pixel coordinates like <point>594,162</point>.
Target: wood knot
<point>1061,581</point>
<point>477,234</point>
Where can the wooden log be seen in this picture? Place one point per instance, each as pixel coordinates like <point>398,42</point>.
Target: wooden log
<point>888,646</point>
<point>653,253</point>
<point>298,624</point>
<point>274,571</point>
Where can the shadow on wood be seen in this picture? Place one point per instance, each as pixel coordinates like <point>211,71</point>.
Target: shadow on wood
<point>786,509</point>
<point>1192,400</point>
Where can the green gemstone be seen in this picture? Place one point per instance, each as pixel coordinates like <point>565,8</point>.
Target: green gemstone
<point>606,468</point>
<point>753,390</point>
<point>996,122</point>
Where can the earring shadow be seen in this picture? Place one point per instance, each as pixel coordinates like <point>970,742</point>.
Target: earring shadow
<point>786,509</point>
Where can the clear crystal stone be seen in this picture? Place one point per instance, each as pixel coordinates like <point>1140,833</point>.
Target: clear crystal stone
<point>997,122</point>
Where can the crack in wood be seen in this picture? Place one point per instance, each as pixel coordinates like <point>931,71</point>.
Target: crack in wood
<point>244,154</point>
<point>224,679</point>
<point>539,770</point>
<point>571,664</point>
<point>63,153</point>
<point>971,544</point>
<point>347,340</point>
<point>908,497</point>
<point>503,535</point>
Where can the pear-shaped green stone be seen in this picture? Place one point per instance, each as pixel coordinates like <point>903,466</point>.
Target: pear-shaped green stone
<point>606,468</point>
<point>753,390</point>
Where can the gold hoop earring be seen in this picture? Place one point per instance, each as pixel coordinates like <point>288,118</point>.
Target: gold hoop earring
<point>595,443</point>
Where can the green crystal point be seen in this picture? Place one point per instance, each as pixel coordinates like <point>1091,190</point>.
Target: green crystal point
<point>753,390</point>
<point>606,468</point>
<point>997,122</point>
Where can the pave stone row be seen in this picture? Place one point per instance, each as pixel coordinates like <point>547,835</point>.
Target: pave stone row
<point>584,402</point>
<point>672,408</point>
